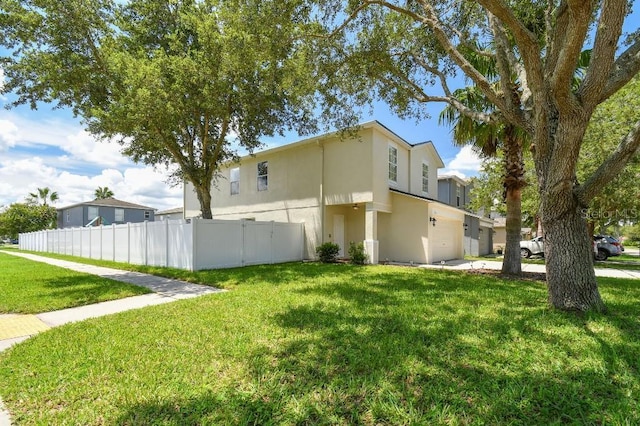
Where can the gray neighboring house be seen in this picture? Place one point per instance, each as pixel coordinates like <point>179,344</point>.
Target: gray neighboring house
<point>105,211</point>
<point>171,214</point>
<point>478,230</point>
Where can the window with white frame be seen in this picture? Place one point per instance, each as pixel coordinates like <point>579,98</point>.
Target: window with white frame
<point>147,215</point>
<point>425,177</point>
<point>234,180</point>
<point>263,175</point>
<point>458,194</point>
<point>92,212</point>
<point>393,164</point>
<point>119,215</point>
<point>68,216</point>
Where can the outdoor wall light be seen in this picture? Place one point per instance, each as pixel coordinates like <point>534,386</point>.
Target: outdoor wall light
<point>466,226</point>
<point>355,207</point>
<point>432,220</point>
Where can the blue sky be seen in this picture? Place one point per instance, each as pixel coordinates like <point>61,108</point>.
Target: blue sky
<point>49,148</point>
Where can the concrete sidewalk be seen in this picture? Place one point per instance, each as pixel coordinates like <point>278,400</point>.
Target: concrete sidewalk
<point>527,267</point>
<point>15,328</point>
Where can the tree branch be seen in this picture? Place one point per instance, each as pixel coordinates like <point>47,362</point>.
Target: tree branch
<point>610,168</point>
<point>604,50</point>
<point>579,15</point>
<point>624,69</point>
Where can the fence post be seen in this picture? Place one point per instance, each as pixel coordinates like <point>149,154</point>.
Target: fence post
<point>194,243</point>
<point>146,242</point>
<point>128,242</point>
<point>166,242</point>
<point>273,225</point>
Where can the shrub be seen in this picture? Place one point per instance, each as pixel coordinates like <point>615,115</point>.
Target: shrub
<point>328,252</point>
<point>357,254</point>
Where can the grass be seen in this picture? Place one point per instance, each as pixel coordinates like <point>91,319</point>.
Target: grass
<point>338,344</point>
<point>33,287</point>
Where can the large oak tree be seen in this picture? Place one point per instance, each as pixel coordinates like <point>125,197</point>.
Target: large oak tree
<point>183,83</point>
<point>413,49</point>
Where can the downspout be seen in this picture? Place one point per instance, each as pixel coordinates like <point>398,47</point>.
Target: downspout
<point>322,206</point>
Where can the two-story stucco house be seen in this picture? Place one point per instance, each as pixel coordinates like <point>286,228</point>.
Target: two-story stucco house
<point>104,211</point>
<point>478,230</point>
<point>377,189</point>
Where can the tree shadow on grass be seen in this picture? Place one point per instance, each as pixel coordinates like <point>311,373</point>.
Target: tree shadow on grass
<point>405,351</point>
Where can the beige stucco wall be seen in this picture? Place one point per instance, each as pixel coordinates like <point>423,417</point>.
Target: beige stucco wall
<point>419,155</point>
<point>403,234</point>
<point>348,169</point>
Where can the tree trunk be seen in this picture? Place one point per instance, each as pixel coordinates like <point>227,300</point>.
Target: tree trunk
<point>512,264</point>
<point>571,279</point>
<point>514,181</point>
<point>204,197</point>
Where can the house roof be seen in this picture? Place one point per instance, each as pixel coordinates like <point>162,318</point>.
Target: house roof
<point>369,124</point>
<point>455,178</point>
<point>170,211</point>
<point>109,202</point>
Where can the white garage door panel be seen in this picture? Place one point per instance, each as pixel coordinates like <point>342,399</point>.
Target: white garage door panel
<point>445,240</point>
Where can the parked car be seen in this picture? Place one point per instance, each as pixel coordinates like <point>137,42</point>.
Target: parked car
<point>532,247</point>
<point>607,246</point>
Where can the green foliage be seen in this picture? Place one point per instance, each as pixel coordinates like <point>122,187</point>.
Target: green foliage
<point>357,255</point>
<point>20,217</point>
<point>336,344</point>
<point>328,252</point>
<point>103,192</point>
<point>186,85</point>
<point>619,200</point>
<point>43,196</point>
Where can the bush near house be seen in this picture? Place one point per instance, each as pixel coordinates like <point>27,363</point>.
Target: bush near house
<point>328,252</point>
<point>357,254</point>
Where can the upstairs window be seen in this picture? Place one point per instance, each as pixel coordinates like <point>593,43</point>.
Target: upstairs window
<point>147,215</point>
<point>458,194</point>
<point>263,175</point>
<point>425,177</point>
<point>119,217</point>
<point>393,164</point>
<point>234,180</point>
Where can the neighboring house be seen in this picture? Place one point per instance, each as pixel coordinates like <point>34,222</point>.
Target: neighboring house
<point>171,214</point>
<point>376,188</point>
<point>103,212</point>
<point>500,234</point>
<point>478,230</point>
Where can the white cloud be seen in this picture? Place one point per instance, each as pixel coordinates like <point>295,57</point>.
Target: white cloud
<point>8,134</point>
<point>466,160</point>
<point>136,185</point>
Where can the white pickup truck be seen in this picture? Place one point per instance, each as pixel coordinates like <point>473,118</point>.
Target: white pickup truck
<point>532,247</point>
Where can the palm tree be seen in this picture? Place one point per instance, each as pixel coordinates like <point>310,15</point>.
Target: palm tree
<point>43,195</point>
<point>103,192</point>
<point>488,138</point>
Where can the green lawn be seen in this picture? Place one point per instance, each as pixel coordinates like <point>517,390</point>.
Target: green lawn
<point>32,287</point>
<point>337,344</point>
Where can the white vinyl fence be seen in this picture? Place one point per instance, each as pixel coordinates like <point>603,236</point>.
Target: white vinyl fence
<point>192,244</point>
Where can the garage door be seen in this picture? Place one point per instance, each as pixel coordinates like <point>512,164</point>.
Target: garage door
<point>445,240</point>
<point>486,240</point>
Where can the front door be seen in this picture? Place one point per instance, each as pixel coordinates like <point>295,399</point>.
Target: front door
<point>338,232</point>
